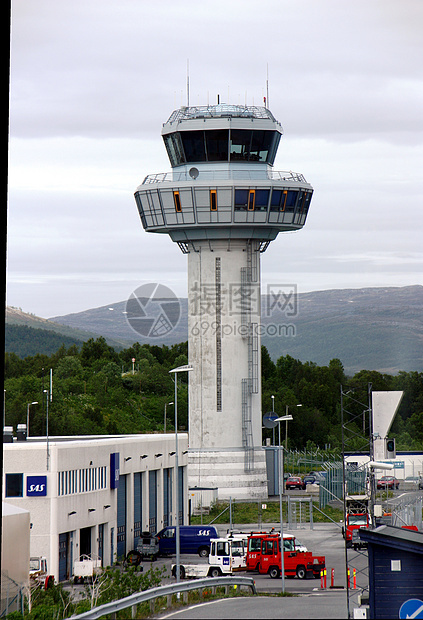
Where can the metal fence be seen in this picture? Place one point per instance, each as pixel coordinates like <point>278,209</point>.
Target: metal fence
<point>12,595</point>
<point>300,512</point>
<point>167,591</point>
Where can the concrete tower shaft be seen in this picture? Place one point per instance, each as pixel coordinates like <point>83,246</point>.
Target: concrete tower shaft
<point>224,314</point>
<point>223,203</point>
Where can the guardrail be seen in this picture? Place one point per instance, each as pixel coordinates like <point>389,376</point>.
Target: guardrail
<point>247,174</point>
<point>147,595</point>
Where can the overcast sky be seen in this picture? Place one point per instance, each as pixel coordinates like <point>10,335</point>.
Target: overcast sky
<point>92,82</point>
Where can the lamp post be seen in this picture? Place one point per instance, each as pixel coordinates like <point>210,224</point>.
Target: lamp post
<point>175,371</point>
<point>48,454</point>
<point>27,416</point>
<point>165,414</point>
<point>279,420</point>
<point>287,418</point>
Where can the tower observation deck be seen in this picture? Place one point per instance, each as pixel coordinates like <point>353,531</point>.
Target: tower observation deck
<point>223,203</point>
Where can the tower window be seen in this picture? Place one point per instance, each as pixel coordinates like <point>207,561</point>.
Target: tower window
<point>251,199</point>
<point>177,201</point>
<point>213,200</point>
<point>261,199</point>
<point>241,199</point>
<point>290,200</point>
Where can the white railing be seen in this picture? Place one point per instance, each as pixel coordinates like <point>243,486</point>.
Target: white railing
<point>184,586</point>
<point>225,175</point>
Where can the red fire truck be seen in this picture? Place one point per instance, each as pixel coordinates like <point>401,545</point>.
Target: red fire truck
<point>266,558</point>
<point>357,517</point>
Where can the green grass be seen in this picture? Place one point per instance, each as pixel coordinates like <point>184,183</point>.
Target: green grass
<point>249,512</point>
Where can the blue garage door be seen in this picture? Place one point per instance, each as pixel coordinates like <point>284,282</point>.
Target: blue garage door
<point>63,556</point>
<point>121,517</point>
<point>152,501</point>
<point>167,497</point>
<point>101,543</point>
<point>181,495</point>
<point>137,507</point>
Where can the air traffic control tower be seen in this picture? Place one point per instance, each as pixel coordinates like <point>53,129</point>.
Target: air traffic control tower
<point>223,204</point>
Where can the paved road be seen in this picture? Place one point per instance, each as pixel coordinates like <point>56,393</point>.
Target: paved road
<point>311,601</point>
<point>325,539</point>
<point>328,605</point>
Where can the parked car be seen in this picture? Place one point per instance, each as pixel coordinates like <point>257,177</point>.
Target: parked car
<point>319,475</point>
<point>388,482</point>
<point>310,480</point>
<point>295,482</point>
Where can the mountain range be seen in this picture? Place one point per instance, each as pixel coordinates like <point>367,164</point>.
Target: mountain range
<point>370,328</point>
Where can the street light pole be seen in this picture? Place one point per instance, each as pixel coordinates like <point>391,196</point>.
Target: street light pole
<point>27,416</point>
<point>279,420</point>
<point>175,371</point>
<point>287,418</point>
<point>280,514</point>
<point>165,415</point>
<point>48,454</point>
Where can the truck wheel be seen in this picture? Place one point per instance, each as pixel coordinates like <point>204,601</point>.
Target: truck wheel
<point>181,572</point>
<point>49,583</point>
<point>133,558</point>
<point>301,572</point>
<point>274,572</point>
<point>215,572</point>
<point>203,552</point>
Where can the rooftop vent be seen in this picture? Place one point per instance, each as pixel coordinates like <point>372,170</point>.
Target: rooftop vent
<point>8,434</point>
<point>21,432</point>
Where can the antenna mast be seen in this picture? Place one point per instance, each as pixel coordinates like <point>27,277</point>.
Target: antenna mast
<point>267,87</point>
<point>188,82</point>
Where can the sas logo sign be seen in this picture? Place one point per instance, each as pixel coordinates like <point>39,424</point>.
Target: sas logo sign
<point>36,486</point>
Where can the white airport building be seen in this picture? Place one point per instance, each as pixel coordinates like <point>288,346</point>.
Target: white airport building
<point>94,495</point>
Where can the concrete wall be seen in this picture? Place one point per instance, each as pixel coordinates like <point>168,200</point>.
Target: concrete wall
<point>14,551</point>
<point>209,427</point>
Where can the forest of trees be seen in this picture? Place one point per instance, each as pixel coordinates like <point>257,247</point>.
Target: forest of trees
<point>95,391</point>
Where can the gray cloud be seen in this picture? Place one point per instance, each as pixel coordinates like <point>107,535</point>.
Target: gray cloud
<point>92,83</point>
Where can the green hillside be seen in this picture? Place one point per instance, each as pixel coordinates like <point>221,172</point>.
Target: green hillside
<point>24,341</point>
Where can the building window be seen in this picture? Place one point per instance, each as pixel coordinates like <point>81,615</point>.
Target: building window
<point>241,199</point>
<point>213,200</point>
<point>251,199</point>
<point>177,201</point>
<point>14,485</point>
<point>261,199</point>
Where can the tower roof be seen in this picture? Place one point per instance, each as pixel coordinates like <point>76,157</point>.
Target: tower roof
<point>220,110</point>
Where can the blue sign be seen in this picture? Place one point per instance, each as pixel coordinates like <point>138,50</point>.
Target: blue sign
<point>225,561</point>
<point>396,464</point>
<point>269,419</point>
<point>413,608</point>
<point>114,470</point>
<point>36,486</point>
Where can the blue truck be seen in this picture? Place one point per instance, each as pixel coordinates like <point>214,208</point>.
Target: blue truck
<point>193,539</point>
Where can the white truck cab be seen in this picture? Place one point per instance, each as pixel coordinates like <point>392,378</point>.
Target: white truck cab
<point>227,555</point>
